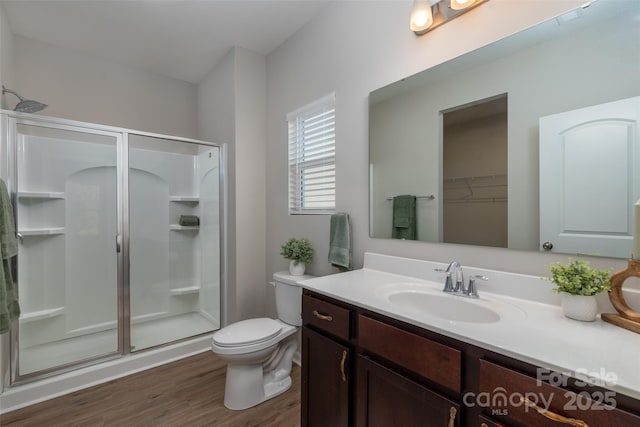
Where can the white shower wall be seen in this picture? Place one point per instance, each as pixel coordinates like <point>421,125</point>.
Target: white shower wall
<point>173,270</point>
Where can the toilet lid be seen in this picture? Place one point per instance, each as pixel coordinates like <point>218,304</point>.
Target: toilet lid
<point>245,332</point>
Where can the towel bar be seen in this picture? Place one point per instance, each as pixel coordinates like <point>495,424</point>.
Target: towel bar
<point>429,197</point>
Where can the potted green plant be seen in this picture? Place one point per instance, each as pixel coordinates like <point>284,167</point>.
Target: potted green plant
<point>299,253</point>
<point>578,283</point>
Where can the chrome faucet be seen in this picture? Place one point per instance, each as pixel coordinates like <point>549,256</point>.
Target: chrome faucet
<point>472,290</point>
<point>454,269</point>
<point>454,282</point>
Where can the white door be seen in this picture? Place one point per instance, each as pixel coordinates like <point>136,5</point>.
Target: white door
<point>590,179</point>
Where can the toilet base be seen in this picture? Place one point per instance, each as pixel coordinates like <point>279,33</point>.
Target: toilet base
<point>247,386</point>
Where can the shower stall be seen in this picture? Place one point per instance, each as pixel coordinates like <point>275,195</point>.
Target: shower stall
<point>119,236</point>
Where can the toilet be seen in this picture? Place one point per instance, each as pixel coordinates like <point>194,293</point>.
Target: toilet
<point>259,351</point>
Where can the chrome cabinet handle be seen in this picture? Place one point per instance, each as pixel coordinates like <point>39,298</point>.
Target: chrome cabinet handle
<point>452,416</point>
<point>552,415</point>
<point>342,363</point>
<point>322,316</point>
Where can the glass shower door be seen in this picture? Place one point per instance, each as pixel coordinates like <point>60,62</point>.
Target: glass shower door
<point>174,240</point>
<point>66,186</point>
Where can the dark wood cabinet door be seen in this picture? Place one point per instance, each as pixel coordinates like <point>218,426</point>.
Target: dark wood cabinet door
<point>385,398</point>
<point>325,381</point>
<point>488,422</point>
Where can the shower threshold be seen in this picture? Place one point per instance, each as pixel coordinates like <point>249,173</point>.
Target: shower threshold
<point>144,335</point>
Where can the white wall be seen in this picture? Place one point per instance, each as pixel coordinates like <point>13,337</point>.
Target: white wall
<point>6,78</point>
<point>251,147</point>
<point>82,87</point>
<point>354,48</point>
<point>232,109</point>
<point>6,58</point>
<point>216,122</point>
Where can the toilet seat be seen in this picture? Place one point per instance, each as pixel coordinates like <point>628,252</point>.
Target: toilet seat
<point>247,332</point>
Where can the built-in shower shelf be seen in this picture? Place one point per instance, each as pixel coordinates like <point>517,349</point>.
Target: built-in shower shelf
<point>188,290</point>
<point>40,195</point>
<point>41,231</point>
<point>184,199</point>
<point>176,227</point>
<point>41,314</point>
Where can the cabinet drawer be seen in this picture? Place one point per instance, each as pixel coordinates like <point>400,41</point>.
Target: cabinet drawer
<point>504,388</point>
<point>430,359</point>
<point>326,316</point>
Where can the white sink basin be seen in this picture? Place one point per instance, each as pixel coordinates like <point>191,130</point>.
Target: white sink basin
<point>421,298</point>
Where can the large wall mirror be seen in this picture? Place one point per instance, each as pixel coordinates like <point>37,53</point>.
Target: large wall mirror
<point>530,143</point>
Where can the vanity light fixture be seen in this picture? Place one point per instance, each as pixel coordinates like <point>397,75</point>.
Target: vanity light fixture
<point>429,14</point>
<point>461,4</point>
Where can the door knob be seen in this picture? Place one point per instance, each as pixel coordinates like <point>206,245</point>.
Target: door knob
<point>547,246</point>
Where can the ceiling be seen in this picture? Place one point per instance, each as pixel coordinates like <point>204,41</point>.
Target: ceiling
<point>183,39</point>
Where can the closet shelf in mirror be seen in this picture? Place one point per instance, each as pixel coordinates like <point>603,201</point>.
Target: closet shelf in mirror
<point>472,178</point>
<point>176,227</point>
<point>187,290</point>
<point>184,199</point>
<point>479,200</point>
<point>41,314</point>
<point>40,231</point>
<point>40,195</point>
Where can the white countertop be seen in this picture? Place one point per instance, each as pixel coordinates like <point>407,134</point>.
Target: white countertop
<point>533,329</point>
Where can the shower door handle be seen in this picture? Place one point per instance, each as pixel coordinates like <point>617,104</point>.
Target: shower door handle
<point>118,243</point>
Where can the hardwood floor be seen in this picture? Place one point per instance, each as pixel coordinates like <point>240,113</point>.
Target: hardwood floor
<point>188,392</point>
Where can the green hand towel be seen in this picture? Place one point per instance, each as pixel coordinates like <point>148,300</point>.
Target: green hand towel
<point>340,241</point>
<point>189,220</point>
<point>404,218</point>
<point>9,307</point>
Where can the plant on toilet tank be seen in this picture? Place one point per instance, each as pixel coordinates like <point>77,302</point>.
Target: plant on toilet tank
<point>578,283</point>
<point>299,253</point>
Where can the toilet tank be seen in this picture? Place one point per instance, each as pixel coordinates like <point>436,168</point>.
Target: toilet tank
<point>289,297</point>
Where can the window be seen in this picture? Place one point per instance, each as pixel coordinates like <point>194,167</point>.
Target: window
<point>312,171</point>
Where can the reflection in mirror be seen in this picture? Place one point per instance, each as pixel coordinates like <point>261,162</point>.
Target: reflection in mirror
<point>585,58</point>
<point>474,173</point>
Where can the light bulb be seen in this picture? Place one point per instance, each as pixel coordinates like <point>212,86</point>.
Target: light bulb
<point>421,16</point>
<point>461,4</point>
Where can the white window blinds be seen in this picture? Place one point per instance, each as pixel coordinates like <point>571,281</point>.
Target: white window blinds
<point>312,177</point>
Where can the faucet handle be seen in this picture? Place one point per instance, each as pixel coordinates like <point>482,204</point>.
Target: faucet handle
<point>448,285</point>
<point>472,290</point>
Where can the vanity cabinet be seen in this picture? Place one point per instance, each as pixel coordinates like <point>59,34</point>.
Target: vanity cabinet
<point>364,369</point>
<point>520,399</point>
<point>488,422</point>
<point>326,360</point>
<point>394,371</point>
<point>384,397</point>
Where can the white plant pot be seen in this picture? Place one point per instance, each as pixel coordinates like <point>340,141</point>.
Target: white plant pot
<point>580,307</point>
<point>296,270</point>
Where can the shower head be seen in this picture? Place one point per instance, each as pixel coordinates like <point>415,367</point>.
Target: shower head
<point>25,105</point>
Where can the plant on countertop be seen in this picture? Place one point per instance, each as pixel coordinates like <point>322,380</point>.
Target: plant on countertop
<point>578,278</point>
<point>297,250</point>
